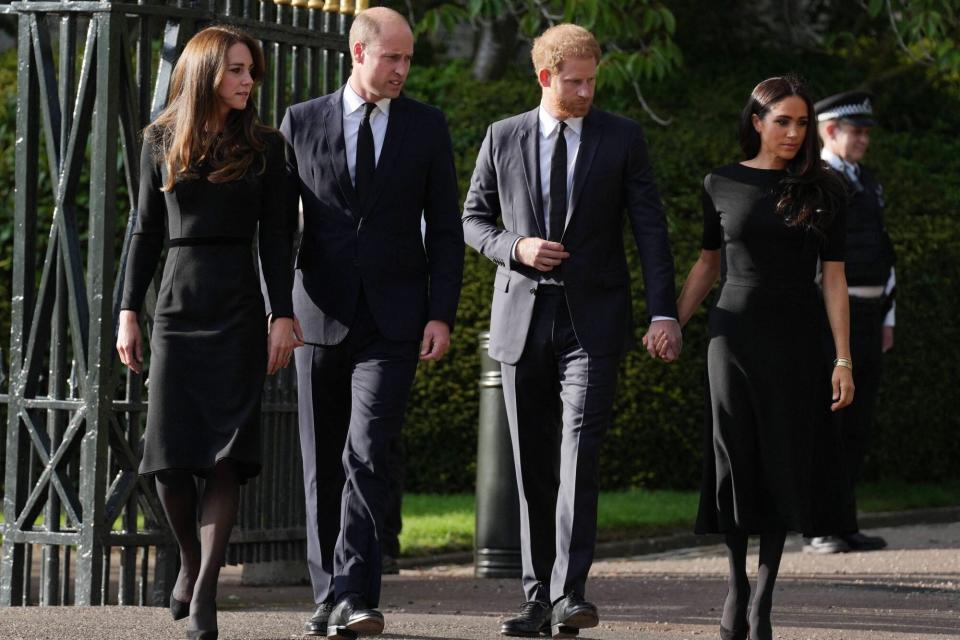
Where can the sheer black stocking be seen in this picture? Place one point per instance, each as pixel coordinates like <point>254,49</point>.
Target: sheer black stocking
<point>734,619</point>
<point>177,491</point>
<point>771,551</point>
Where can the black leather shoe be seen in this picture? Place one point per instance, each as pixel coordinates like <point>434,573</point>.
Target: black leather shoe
<point>727,634</point>
<point>825,544</point>
<point>570,614</point>
<point>534,620</point>
<point>351,618</point>
<point>317,624</point>
<point>861,542</point>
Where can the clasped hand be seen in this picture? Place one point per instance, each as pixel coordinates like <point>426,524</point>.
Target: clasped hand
<point>283,336</point>
<point>664,340</point>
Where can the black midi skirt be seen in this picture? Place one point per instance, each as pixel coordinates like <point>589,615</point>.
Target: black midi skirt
<point>208,358</point>
<point>772,454</point>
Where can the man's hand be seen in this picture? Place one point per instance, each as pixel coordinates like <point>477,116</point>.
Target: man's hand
<point>887,338</point>
<point>540,254</point>
<point>664,340</point>
<point>436,340</point>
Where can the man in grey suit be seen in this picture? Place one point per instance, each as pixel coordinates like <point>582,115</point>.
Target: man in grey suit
<point>560,178</point>
<point>372,295</point>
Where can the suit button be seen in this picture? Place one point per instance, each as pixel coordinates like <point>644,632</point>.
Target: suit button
<point>533,290</point>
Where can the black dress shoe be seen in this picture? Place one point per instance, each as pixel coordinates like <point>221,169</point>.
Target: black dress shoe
<point>570,614</point>
<point>317,624</point>
<point>861,542</point>
<point>178,608</point>
<point>727,634</point>
<point>825,544</point>
<point>534,620</point>
<point>351,618</point>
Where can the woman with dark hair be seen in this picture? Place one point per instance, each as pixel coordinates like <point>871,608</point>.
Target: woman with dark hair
<point>211,174</point>
<point>767,222</point>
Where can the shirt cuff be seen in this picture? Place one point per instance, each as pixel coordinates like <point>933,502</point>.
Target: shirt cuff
<point>657,318</point>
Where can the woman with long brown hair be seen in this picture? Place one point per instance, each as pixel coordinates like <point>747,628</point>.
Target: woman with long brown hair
<point>214,177</point>
<point>768,220</point>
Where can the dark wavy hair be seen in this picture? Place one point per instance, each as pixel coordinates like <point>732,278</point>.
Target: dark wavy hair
<point>810,194</point>
<point>179,130</point>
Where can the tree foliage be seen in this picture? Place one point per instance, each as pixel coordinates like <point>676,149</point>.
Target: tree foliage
<point>926,32</point>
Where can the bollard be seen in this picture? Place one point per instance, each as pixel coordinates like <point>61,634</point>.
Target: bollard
<point>497,540</point>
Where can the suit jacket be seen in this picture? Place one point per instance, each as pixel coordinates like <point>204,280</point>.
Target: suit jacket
<point>375,245</point>
<point>612,175</point>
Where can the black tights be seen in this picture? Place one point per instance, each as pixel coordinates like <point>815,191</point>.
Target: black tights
<point>200,558</point>
<point>738,595</point>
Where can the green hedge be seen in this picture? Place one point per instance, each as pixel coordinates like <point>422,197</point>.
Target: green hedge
<point>655,440</point>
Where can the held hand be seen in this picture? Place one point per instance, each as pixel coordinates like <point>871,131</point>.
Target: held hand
<point>282,339</point>
<point>842,388</point>
<point>540,254</point>
<point>664,340</point>
<point>436,340</point>
<point>129,341</point>
<point>887,338</point>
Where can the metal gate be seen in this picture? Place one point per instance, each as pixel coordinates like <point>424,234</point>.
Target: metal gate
<point>80,526</point>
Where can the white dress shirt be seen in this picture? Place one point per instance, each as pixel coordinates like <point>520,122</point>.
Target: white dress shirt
<point>852,171</point>
<point>352,115</point>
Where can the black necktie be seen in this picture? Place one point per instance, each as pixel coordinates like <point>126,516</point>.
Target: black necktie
<point>558,186</point>
<point>366,158</point>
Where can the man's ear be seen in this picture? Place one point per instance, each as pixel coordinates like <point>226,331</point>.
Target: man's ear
<point>358,52</point>
<point>544,76</point>
<point>831,128</point>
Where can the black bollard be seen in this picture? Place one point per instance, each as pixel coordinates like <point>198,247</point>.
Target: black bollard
<point>497,540</point>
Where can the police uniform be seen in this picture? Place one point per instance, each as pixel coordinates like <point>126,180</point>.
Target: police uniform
<point>871,281</point>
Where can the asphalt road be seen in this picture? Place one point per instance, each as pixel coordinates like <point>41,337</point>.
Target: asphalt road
<point>908,591</point>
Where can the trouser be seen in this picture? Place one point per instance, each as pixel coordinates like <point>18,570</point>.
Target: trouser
<point>559,403</point>
<point>352,397</point>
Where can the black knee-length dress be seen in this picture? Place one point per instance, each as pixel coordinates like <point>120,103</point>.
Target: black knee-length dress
<point>771,451</point>
<point>208,349</point>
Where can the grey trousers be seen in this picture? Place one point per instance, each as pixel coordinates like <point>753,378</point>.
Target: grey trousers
<point>559,403</point>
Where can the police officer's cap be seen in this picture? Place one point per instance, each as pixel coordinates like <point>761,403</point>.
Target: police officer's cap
<point>852,106</point>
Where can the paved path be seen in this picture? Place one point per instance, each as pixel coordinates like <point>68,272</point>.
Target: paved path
<point>910,591</point>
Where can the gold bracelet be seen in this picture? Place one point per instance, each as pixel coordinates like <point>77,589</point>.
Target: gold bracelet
<point>843,362</point>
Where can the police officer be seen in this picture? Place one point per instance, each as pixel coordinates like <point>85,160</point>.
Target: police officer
<point>844,121</point>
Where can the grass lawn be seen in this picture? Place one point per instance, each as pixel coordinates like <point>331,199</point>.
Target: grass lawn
<point>442,523</point>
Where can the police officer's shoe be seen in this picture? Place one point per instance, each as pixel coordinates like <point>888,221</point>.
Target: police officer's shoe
<point>317,624</point>
<point>826,544</point>
<point>861,542</point>
<point>534,620</point>
<point>570,614</point>
<point>351,618</point>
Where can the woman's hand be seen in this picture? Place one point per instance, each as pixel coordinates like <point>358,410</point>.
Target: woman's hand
<point>283,337</point>
<point>129,340</point>
<point>842,387</point>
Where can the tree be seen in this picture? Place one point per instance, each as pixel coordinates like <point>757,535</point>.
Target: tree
<point>926,33</point>
<point>636,35</point>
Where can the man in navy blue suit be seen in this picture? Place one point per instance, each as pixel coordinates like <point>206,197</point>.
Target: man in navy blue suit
<point>372,297</point>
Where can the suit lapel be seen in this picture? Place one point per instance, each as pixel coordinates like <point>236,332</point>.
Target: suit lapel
<point>333,131</point>
<point>529,152</point>
<point>589,143</point>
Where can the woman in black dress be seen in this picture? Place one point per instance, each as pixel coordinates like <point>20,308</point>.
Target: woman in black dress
<point>767,222</point>
<point>211,174</point>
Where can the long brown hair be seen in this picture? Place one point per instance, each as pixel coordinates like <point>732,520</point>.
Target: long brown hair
<point>180,131</point>
<point>810,194</point>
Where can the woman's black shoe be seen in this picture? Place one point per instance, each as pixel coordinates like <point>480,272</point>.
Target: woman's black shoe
<point>178,608</point>
<point>727,634</point>
<point>202,634</point>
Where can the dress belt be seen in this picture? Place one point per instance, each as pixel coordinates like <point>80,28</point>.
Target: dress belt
<point>769,283</point>
<point>207,241</point>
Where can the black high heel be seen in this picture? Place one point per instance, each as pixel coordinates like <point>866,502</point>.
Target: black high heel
<point>736,634</point>
<point>206,634</point>
<point>178,609</point>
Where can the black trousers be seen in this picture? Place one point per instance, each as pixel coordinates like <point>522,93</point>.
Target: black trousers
<point>559,403</point>
<point>352,397</point>
<point>857,420</point>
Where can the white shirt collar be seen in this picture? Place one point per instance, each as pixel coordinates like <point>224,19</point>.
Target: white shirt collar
<point>352,101</point>
<point>548,123</point>
<point>836,161</point>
